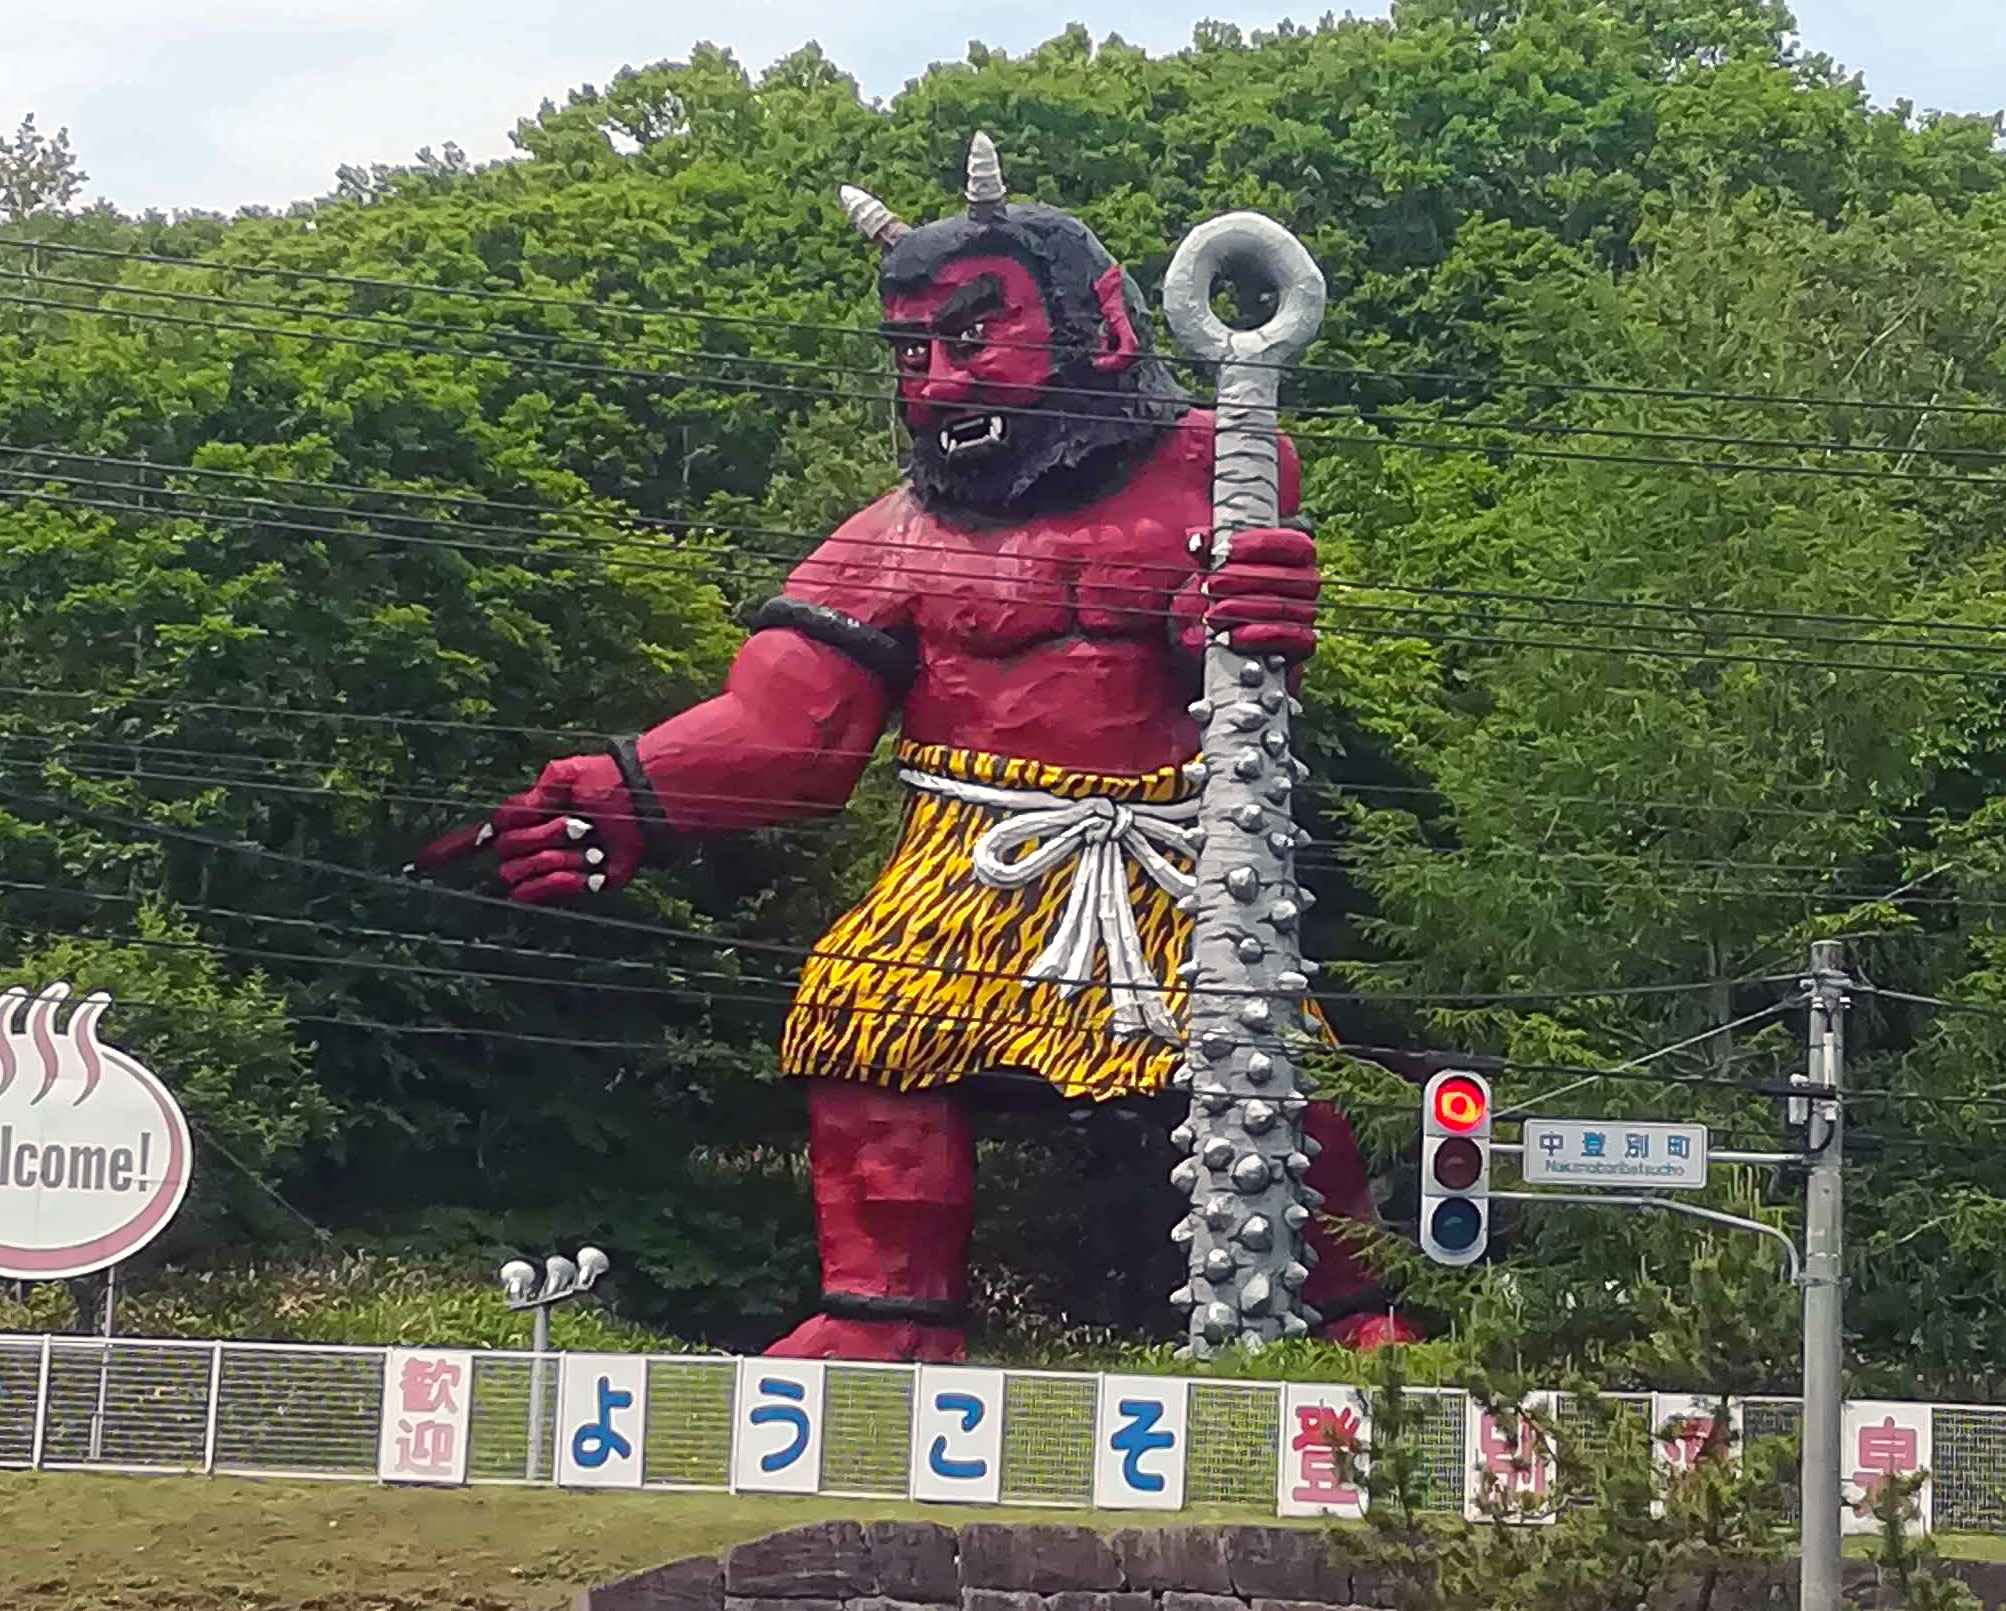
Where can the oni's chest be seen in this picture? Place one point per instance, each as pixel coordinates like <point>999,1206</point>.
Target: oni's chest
<point>1107,573</point>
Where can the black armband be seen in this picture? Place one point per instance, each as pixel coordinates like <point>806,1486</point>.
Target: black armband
<point>873,1306</point>
<point>648,810</point>
<point>889,657</point>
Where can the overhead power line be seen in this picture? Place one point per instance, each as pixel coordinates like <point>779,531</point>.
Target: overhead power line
<point>821,366</point>
<point>593,919</point>
<point>1409,633</point>
<point>685,312</point>
<point>770,388</point>
<point>710,565</point>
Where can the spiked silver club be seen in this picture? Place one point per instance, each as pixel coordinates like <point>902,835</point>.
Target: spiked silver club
<point>1249,1015</point>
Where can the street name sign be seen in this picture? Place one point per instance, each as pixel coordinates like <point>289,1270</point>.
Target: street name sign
<point>1614,1153</point>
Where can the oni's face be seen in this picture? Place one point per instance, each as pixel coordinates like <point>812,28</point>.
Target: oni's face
<point>974,352</point>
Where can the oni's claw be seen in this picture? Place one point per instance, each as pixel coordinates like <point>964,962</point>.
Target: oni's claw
<point>594,857</point>
<point>596,882</point>
<point>577,827</point>
<point>486,833</point>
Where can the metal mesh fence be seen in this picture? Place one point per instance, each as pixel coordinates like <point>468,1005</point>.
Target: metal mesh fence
<point>267,1409</point>
<point>1968,1469</point>
<point>689,1423</point>
<point>867,1433</point>
<point>1048,1440</point>
<point>1234,1431</point>
<point>306,1410</point>
<point>127,1404</point>
<point>20,1383</point>
<point>1437,1420</point>
<point>499,1434</point>
<point>1764,1419</point>
<point>1584,1425</point>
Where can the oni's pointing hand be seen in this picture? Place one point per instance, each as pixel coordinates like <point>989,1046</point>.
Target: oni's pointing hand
<point>575,832</point>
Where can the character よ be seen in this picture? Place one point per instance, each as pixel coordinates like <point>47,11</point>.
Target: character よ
<point>1031,607</point>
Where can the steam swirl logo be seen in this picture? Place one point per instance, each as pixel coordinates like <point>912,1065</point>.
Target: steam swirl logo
<point>94,1150</point>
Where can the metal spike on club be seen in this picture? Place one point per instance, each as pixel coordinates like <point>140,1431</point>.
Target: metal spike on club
<point>1243,1235</point>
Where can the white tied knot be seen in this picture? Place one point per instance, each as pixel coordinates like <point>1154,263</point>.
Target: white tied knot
<point>1098,836</point>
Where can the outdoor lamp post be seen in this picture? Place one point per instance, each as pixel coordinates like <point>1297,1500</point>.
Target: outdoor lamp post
<point>563,1280</point>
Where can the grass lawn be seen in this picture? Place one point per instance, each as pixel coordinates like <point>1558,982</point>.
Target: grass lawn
<point>81,1543</point>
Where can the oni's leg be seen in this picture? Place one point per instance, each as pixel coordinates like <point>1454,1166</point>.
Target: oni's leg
<point>894,1182</point>
<point>1340,1287</point>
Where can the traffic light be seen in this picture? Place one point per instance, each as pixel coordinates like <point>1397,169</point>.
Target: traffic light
<point>1455,1167</point>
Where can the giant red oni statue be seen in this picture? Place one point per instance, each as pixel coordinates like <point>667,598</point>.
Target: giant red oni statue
<point>1030,608</point>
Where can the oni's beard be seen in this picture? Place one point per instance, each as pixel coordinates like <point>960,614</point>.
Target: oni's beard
<point>1055,457</point>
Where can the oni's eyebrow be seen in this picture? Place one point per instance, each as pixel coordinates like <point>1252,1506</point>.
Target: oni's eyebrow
<point>968,303</point>
<point>962,308</point>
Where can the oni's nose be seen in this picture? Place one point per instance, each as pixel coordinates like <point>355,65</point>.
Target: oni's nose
<point>946,381</point>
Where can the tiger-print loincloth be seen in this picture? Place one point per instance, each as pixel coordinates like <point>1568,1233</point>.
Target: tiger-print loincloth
<point>921,984</point>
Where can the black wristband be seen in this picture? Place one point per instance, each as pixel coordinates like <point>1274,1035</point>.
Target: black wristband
<point>648,812</point>
<point>872,1306</point>
<point>875,650</point>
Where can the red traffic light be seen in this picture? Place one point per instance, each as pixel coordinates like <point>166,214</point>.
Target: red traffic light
<point>1461,1105</point>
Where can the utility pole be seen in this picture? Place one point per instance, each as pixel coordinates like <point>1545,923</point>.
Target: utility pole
<point>1824,1274</point>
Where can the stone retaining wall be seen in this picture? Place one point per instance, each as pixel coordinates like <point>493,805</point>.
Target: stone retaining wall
<point>991,1566</point>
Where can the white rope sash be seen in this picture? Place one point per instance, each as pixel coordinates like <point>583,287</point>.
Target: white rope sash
<point>1098,836</point>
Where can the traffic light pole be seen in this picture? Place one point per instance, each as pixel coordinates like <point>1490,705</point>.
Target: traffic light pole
<point>1823,1279</point>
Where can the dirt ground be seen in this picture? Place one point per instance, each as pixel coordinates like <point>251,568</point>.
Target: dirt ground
<point>83,1543</point>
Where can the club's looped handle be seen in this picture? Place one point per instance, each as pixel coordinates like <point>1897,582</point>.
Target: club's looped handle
<point>1250,243</point>
<point>1245,475</point>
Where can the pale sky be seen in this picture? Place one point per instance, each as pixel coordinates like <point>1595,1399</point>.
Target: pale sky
<point>222,103</point>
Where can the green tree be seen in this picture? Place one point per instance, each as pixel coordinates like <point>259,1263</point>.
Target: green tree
<point>38,173</point>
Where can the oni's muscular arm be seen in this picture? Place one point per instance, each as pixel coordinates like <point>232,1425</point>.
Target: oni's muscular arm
<point>788,736</point>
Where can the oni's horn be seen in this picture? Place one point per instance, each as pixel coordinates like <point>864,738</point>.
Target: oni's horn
<point>873,219</point>
<point>984,190</point>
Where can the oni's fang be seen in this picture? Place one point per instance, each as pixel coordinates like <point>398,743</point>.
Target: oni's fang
<point>94,1150</point>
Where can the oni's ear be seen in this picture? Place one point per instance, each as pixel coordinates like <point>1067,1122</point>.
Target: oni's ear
<point>1121,349</point>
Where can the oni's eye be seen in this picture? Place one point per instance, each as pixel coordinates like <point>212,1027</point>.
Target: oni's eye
<point>967,343</point>
<point>910,354</point>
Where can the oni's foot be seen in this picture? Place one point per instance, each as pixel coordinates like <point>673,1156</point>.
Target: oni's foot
<point>1370,1329</point>
<point>831,1337</point>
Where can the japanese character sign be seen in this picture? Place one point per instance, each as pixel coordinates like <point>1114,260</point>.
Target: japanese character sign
<point>779,1442</point>
<point>1683,1434</point>
<point>427,1401</point>
<point>1614,1152</point>
<point>1508,1463</point>
<point>1139,1453</point>
<point>957,1435</point>
<point>1682,1430</point>
<point>602,1409</point>
<point>1319,1420</point>
<point>1881,1439</point>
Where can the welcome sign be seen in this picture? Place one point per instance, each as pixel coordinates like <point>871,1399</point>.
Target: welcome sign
<point>94,1151</point>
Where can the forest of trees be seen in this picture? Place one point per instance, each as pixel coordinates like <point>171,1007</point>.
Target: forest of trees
<point>1656,446</point>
